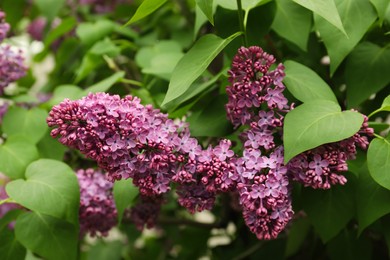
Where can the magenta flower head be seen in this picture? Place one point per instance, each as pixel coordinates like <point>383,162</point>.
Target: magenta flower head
<point>252,84</point>
<point>11,66</point>
<point>97,213</point>
<point>4,26</point>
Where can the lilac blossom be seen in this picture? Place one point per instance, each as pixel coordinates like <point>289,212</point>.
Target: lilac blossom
<point>97,213</point>
<point>256,100</point>
<point>145,213</point>
<point>4,26</point>
<point>322,167</point>
<point>253,84</point>
<point>130,140</point>
<point>11,66</point>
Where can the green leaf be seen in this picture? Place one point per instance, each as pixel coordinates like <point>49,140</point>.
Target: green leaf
<point>378,160</point>
<point>315,123</point>
<point>290,16</point>
<point>196,88</point>
<point>384,107</point>
<point>363,81</point>
<point>9,217</point>
<point>49,8</point>
<point>210,120</point>
<point>346,246</point>
<point>372,200</point>
<point>15,155</point>
<point>94,57</point>
<point>326,9</point>
<point>51,188</point>
<point>124,193</point>
<point>103,250</point>
<point>61,92</point>
<point>66,26</point>
<point>246,5</point>
<point>207,8</point>
<point>194,63</point>
<point>357,16</point>
<point>90,33</point>
<point>146,8</point>
<point>381,7</point>
<point>10,248</point>
<point>105,84</point>
<point>30,123</point>
<point>50,148</point>
<point>305,85</point>
<point>49,237</point>
<point>329,210</point>
<point>296,236</point>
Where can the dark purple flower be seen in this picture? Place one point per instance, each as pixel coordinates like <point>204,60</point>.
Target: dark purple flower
<point>97,213</point>
<point>4,26</point>
<point>11,66</point>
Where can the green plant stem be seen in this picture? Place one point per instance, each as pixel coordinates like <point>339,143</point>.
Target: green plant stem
<point>132,82</point>
<point>7,200</point>
<point>241,22</point>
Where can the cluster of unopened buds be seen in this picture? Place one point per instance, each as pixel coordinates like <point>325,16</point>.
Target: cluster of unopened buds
<point>130,140</point>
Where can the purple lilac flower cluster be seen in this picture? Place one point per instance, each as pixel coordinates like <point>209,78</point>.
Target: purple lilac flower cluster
<point>97,213</point>
<point>320,168</point>
<point>256,99</point>
<point>130,140</point>
<point>145,212</point>
<point>11,62</point>
<point>4,26</point>
<point>11,66</point>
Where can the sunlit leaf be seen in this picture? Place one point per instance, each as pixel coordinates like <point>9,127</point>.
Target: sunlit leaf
<point>50,188</point>
<point>326,9</point>
<point>194,63</point>
<point>30,123</point>
<point>146,8</point>
<point>315,123</point>
<point>378,160</point>
<point>305,84</point>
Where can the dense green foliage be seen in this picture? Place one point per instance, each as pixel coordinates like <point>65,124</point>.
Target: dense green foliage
<point>175,56</point>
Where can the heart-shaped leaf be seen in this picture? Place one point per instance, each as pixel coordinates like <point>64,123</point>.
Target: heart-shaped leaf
<point>50,188</point>
<point>15,155</point>
<point>315,123</point>
<point>378,160</point>
<point>363,81</point>
<point>305,84</point>
<point>194,63</point>
<point>30,123</point>
<point>49,237</point>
